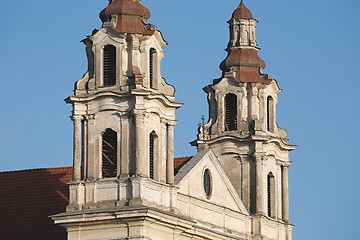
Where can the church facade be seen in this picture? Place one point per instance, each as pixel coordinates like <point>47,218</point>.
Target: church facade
<point>125,184</point>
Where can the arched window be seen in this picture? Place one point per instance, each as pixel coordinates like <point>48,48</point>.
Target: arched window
<point>246,38</point>
<point>152,154</point>
<point>152,57</point>
<point>230,112</point>
<point>271,194</point>
<point>270,114</point>
<point>109,154</point>
<point>109,65</point>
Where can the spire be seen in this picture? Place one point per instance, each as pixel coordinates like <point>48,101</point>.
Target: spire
<point>127,16</point>
<point>243,60</point>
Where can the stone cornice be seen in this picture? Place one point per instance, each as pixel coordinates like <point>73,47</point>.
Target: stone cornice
<point>149,95</point>
<point>87,217</point>
<point>282,144</point>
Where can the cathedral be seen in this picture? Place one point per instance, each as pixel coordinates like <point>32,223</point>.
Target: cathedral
<point>125,182</point>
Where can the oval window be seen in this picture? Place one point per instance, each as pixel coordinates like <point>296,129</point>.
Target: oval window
<point>207,183</point>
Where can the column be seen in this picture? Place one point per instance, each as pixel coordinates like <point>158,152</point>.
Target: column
<point>243,105</point>
<point>84,148</point>
<point>140,143</point>
<point>91,148</point>
<point>170,153</point>
<point>254,102</point>
<point>285,193</point>
<point>76,147</point>
<point>278,183</point>
<point>262,111</point>
<point>245,182</point>
<point>259,184</point>
<point>124,146</point>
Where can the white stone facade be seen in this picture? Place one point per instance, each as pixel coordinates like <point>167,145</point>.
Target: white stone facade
<point>235,187</point>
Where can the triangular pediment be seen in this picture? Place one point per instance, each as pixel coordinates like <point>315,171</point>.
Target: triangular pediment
<point>190,180</point>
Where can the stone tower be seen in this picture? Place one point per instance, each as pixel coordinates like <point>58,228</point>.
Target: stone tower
<point>124,182</point>
<point>242,129</point>
<point>123,114</point>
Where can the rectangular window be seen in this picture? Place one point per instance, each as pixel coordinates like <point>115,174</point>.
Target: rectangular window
<point>151,154</point>
<point>230,112</point>
<point>109,66</point>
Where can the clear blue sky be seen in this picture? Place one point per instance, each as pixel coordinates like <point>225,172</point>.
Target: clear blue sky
<point>311,48</point>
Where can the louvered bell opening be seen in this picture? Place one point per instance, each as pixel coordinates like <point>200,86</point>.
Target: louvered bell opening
<point>270,114</point>
<point>109,154</point>
<point>109,65</point>
<point>230,112</point>
<point>269,195</point>
<point>151,67</point>
<point>151,155</point>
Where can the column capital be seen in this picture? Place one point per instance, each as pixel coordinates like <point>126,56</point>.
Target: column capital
<point>261,93</point>
<point>90,117</point>
<point>139,113</point>
<point>254,85</point>
<point>171,123</point>
<point>163,121</point>
<point>287,165</point>
<point>257,156</point>
<point>243,85</point>
<point>76,118</point>
<point>283,163</point>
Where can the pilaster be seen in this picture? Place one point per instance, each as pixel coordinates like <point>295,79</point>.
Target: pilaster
<point>254,102</point>
<point>259,184</point>
<point>170,153</point>
<point>124,146</point>
<point>245,182</point>
<point>76,147</point>
<point>279,190</point>
<point>262,110</point>
<point>285,193</point>
<point>140,153</point>
<point>243,108</point>
<point>84,147</point>
<point>91,148</point>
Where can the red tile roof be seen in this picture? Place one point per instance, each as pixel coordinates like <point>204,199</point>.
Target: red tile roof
<point>179,162</point>
<point>27,200</point>
<point>29,197</point>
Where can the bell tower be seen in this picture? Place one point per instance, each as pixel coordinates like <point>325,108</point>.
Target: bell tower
<point>242,130</point>
<point>123,115</point>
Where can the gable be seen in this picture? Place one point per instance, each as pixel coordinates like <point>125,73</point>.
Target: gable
<point>190,180</point>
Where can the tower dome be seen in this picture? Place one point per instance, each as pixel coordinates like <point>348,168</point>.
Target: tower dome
<point>127,16</point>
<point>242,12</point>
